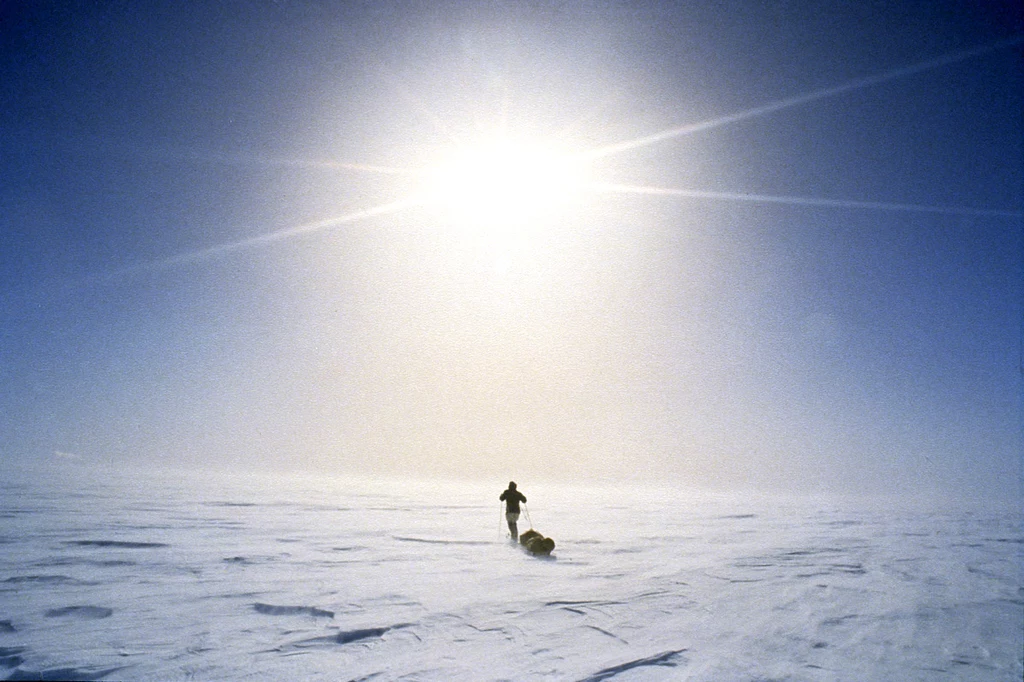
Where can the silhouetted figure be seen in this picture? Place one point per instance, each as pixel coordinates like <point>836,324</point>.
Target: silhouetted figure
<point>512,498</point>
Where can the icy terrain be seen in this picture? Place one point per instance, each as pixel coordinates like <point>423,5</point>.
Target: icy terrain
<point>274,579</point>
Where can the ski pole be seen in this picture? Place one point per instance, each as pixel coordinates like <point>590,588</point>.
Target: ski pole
<point>527,510</point>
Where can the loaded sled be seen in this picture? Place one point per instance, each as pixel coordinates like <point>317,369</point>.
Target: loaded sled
<point>535,543</point>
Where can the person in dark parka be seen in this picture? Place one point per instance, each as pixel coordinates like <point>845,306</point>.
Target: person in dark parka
<point>512,498</point>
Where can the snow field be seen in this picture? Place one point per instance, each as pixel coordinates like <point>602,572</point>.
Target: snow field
<point>319,579</point>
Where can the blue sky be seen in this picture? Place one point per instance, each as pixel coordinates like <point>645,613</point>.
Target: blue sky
<point>797,263</point>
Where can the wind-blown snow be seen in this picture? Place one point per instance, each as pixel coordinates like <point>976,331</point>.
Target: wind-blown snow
<point>336,580</point>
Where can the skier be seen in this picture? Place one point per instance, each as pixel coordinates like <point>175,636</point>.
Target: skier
<point>512,498</point>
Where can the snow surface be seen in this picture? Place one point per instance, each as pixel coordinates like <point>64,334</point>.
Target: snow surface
<point>293,578</point>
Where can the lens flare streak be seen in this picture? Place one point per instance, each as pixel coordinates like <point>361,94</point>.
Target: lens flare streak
<point>786,103</point>
<point>201,254</point>
<point>801,201</point>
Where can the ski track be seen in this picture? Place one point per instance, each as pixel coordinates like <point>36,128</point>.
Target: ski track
<point>324,580</point>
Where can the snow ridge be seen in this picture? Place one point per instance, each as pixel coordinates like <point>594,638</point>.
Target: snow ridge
<point>665,658</point>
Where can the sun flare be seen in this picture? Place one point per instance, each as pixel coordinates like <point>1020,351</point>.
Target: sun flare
<point>504,182</point>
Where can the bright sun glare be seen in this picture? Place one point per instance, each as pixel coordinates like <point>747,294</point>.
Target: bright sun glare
<point>504,183</point>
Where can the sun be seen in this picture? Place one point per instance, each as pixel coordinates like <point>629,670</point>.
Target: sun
<point>504,182</point>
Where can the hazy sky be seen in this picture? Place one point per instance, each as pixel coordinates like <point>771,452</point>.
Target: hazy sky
<point>793,258</point>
